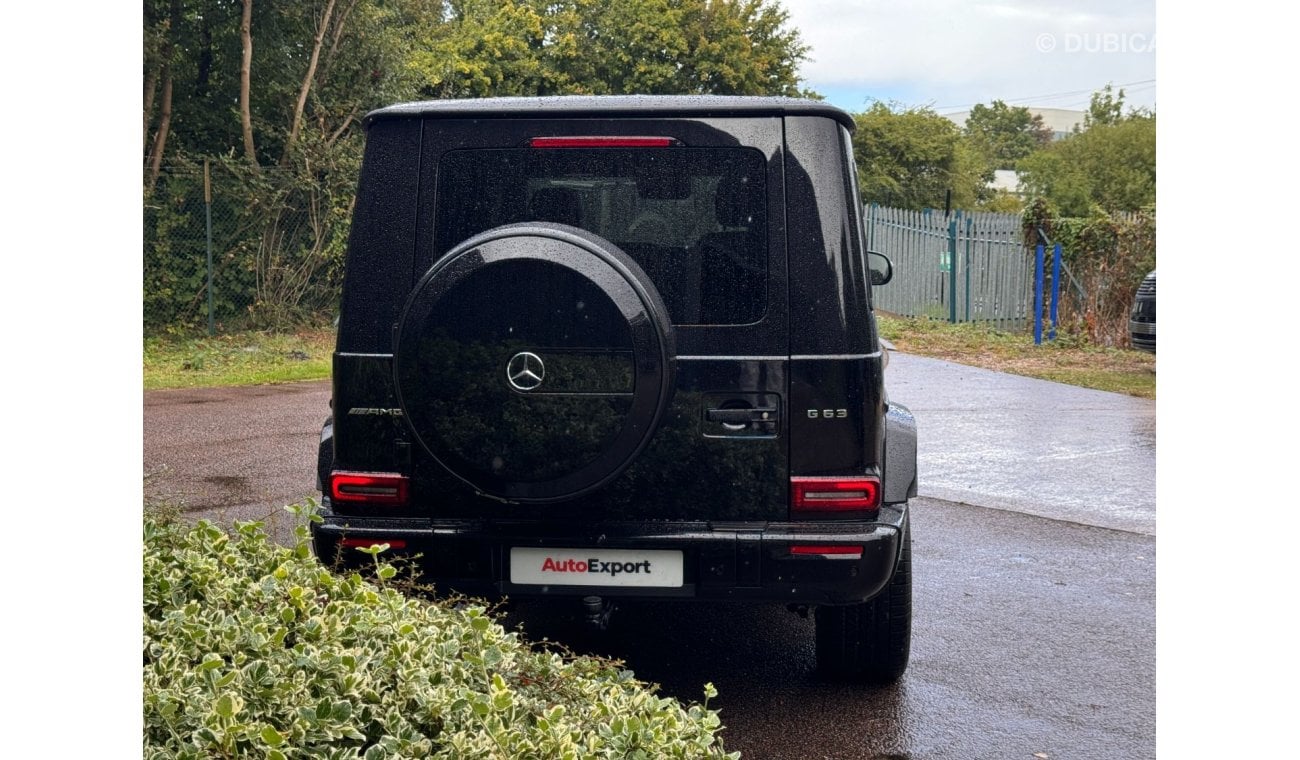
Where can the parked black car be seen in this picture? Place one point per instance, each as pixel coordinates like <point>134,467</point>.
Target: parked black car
<point>593,348</point>
<point>1142,320</point>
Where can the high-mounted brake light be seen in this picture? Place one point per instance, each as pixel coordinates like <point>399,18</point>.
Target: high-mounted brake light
<point>369,487</point>
<point>828,552</point>
<point>602,141</point>
<point>834,494</point>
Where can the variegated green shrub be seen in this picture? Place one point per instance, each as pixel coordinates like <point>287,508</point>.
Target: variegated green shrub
<point>255,650</point>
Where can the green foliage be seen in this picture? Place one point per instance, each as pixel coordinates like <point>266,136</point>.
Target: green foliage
<point>1004,134</point>
<point>910,157</point>
<point>1105,107</point>
<point>251,649</point>
<point>281,214</point>
<point>1002,202</point>
<point>1108,254</point>
<point>1112,166</point>
<point>530,47</point>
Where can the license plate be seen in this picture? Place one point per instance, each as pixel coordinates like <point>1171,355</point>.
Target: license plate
<point>596,567</point>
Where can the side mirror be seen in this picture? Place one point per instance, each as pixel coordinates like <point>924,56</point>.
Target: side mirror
<point>882,269</point>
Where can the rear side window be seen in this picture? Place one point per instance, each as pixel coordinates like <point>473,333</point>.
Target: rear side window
<point>693,218</point>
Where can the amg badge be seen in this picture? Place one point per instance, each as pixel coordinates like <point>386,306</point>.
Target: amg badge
<point>366,410</point>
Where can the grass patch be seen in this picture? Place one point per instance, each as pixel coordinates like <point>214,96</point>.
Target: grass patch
<point>1066,360</point>
<point>247,358</point>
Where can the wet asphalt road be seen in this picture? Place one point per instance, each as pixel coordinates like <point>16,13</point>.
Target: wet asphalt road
<point>234,453</point>
<point>1031,636</point>
<point>1029,445</point>
<point>1034,633</point>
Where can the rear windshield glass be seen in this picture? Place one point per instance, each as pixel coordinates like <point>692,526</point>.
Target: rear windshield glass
<point>693,218</point>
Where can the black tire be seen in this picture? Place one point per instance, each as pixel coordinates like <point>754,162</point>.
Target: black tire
<point>870,642</point>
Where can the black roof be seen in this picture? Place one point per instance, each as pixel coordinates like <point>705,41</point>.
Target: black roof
<point>615,105</point>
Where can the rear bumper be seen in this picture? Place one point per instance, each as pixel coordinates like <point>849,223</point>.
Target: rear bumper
<point>720,561</point>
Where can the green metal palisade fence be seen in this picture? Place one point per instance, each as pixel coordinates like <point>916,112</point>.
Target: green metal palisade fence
<point>965,267</point>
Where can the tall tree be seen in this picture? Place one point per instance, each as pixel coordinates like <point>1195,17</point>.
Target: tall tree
<point>1107,166</point>
<point>246,82</point>
<point>296,98</point>
<point>1004,134</point>
<point>544,47</point>
<point>155,44</point>
<point>1105,107</point>
<point>295,124</point>
<point>167,61</point>
<point>912,158</point>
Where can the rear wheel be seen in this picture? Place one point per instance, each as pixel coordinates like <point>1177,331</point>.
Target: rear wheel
<point>870,642</point>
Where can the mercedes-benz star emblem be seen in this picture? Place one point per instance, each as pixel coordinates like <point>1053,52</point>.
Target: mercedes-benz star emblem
<point>525,371</point>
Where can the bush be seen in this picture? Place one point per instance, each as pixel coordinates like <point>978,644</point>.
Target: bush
<point>1108,254</point>
<point>252,649</point>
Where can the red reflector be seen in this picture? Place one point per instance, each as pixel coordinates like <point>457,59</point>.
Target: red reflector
<point>840,552</point>
<point>602,141</point>
<point>369,487</point>
<point>833,494</point>
<point>364,543</point>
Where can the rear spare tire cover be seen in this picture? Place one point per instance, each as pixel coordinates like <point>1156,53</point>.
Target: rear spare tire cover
<point>534,361</point>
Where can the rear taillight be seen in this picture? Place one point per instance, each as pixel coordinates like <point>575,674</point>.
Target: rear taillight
<point>827,552</point>
<point>602,141</point>
<point>381,488</point>
<point>834,495</point>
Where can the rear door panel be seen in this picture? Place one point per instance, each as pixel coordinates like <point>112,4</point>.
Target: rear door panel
<point>693,468</point>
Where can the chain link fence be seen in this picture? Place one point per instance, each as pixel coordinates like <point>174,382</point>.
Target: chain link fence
<point>239,249</point>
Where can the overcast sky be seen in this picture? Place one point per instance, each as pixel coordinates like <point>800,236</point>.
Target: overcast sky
<point>951,54</point>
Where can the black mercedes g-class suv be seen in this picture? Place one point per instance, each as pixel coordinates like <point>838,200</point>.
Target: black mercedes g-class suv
<point>603,347</point>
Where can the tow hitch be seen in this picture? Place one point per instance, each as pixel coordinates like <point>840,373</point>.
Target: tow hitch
<point>598,611</point>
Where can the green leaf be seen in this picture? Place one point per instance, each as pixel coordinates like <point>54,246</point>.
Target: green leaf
<point>225,706</point>
<point>341,710</point>
<point>501,701</point>
<point>272,737</point>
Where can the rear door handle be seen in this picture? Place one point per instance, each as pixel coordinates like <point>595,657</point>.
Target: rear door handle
<point>741,416</point>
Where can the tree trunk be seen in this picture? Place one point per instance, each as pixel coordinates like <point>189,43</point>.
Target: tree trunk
<point>296,124</point>
<point>153,156</point>
<point>164,124</point>
<point>334,42</point>
<point>205,59</point>
<point>342,128</point>
<point>150,90</point>
<point>245,82</point>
